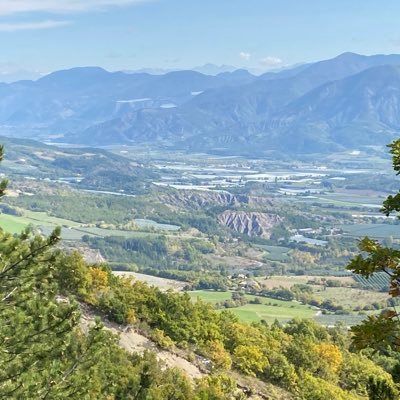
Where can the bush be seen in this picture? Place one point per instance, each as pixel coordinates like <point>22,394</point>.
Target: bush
<point>161,339</point>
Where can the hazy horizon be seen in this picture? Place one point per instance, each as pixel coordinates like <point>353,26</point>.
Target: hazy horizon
<point>39,36</point>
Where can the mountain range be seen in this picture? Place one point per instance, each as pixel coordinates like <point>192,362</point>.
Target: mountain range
<point>350,101</point>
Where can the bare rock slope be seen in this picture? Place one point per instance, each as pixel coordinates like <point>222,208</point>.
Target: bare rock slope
<point>135,342</point>
<point>250,223</point>
<point>196,199</point>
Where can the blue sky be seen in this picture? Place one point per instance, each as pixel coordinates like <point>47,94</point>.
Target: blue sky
<point>45,35</point>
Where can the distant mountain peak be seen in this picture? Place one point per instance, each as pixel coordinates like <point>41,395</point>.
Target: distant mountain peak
<point>213,69</point>
<point>323,106</point>
<point>349,54</point>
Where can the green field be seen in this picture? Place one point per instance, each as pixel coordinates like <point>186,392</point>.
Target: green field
<point>275,253</point>
<point>46,223</point>
<point>280,310</point>
<point>13,224</point>
<point>332,319</point>
<point>372,230</point>
<point>349,297</point>
<point>71,230</point>
<point>161,283</point>
<point>343,200</point>
<point>356,199</point>
<point>210,296</point>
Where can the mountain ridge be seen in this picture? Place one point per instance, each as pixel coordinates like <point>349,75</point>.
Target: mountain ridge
<point>234,112</point>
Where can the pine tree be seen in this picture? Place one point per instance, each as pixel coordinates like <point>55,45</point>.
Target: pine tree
<point>45,353</point>
<point>42,349</point>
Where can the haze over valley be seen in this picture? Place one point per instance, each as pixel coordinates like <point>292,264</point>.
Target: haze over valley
<point>199,200</point>
<point>327,106</point>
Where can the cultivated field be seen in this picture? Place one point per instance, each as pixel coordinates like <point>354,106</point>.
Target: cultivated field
<point>288,281</point>
<point>348,297</point>
<point>344,296</point>
<point>161,283</point>
<point>71,230</point>
<point>12,224</point>
<point>347,320</point>
<point>270,310</point>
<point>275,253</point>
<point>379,231</point>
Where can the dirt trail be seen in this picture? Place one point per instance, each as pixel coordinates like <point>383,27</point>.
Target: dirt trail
<point>132,341</point>
<point>135,342</point>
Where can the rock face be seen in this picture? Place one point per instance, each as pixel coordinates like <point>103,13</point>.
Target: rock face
<point>250,223</point>
<point>91,256</point>
<point>201,200</point>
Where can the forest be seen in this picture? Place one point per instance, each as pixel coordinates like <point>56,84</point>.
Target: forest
<point>47,355</point>
<point>48,291</point>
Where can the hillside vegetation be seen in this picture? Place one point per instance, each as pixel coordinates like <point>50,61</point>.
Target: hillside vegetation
<point>307,360</point>
<point>49,352</point>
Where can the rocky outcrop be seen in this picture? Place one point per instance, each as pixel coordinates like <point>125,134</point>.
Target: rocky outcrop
<point>91,256</point>
<point>199,199</point>
<point>250,223</point>
<point>196,199</point>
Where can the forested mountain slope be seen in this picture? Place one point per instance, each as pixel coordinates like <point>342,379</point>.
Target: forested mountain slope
<point>46,355</point>
<point>231,112</point>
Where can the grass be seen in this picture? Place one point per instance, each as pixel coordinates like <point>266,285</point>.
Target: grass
<point>12,224</point>
<point>71,230</point>
<point>15,224</point>
<point>372,230</point>
<point>349,297</point>
<point>94,231</point>
<point>283,313</point>
<point>287,281</point>
<point>67,233</point>
<point>347,320</point>
<point>275,253</point>
<point>210,296</point>
<point>347,200</point>
<point>147,223</point>
<point>44,219</point>
<point>345,296</point>
<point>277,309</point>
<point>357,197</point>
<point>161,283</point>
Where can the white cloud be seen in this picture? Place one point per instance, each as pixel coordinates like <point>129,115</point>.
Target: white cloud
<point>24,26</point>
<point>244,56</point>
<point>12,7</point>
<point>271,61</point>
<point>8,7</point>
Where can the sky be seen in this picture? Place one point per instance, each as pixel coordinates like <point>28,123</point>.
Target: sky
<point>40,36</point>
